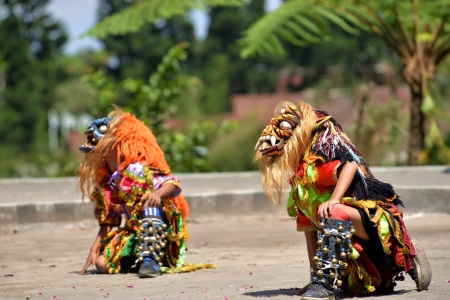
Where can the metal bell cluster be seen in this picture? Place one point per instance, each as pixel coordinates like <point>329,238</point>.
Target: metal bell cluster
<point>152,238</point>
<point>334,246</point>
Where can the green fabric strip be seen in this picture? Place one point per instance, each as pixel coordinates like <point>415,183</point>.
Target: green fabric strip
<point>384,231</point>
<point>130,247</point>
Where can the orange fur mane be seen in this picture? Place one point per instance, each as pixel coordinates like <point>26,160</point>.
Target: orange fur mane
<point>133,141</point>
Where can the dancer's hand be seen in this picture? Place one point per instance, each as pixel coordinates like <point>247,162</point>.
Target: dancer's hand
<point>325,208</point>
<point>90,261</point>
<point>154,199</point>
<point>151,200</point>
<point>94,252</point>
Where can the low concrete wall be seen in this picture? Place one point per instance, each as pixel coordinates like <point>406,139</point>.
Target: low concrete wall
<point>423,190</point>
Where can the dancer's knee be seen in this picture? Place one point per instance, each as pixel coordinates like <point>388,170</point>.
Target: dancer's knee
<point>340,214</point>
<point>100,264</point>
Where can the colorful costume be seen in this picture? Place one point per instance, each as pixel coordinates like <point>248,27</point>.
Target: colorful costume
<point>155,234</point>
<point>307,147</point>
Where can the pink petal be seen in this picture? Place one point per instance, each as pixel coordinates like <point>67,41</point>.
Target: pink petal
<point>130,286</point>
<point>251,273</point>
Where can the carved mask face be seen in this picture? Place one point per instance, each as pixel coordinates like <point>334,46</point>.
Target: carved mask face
<point>278,132</point>
<point>94,133</point>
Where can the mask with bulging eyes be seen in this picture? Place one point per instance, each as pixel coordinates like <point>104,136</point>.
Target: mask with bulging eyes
<point>277,133</point>
<point>94,133</point>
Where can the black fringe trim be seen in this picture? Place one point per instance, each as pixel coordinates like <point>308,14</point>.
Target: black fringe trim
<point>373,189</point>
<point>368,187</point>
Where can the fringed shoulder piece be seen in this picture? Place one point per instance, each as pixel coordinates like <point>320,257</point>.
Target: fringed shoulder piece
<point>331,143</point>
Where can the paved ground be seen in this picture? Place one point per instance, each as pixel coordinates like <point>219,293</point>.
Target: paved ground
<point>46,233</point>
<point>257,257</point>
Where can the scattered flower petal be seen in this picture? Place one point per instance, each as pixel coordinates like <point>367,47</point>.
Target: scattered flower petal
<point>251,273</point>
<point>130,286</point>
<point>241,289</point>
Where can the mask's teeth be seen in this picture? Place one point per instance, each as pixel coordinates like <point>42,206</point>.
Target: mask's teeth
<point>257,144</point>
<point>280,145</point>
<point>273,140</point>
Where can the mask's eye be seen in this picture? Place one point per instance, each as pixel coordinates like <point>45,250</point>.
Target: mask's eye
<point>285,125</point>
<point>103,128</point>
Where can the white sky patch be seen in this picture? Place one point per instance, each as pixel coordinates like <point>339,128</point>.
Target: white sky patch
<point>78,17</point>
<point>272,4</point>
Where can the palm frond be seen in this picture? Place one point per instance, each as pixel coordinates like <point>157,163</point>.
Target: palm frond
<point>298,22</point>
<point>144,12</point>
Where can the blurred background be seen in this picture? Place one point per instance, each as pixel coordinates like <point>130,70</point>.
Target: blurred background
<point>206,75</point>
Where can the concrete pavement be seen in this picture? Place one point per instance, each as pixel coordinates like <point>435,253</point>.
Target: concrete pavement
<point>26,202</point>
<point>258,256</point>
<point>46,232</point>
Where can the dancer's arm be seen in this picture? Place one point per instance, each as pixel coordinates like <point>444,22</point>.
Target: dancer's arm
<point>344,180</point>
<point>93,253</point>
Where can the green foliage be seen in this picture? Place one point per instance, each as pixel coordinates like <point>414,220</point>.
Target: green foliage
<point>29,40</point>
<point>234,150</point>
<point>108,92</point>
<point>381,134</point>
<point>217,60</point>
<point>298,22</point>
<point>144,12</point>
<point>217,84</point>
<point>189,152</point>
<point>437,141</point>
<point>416,31</point>
<point>153,102</point>
<point>436,151</point>
<point>304,22</point>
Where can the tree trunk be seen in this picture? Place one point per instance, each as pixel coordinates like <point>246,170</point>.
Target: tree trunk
<point>416,125</point>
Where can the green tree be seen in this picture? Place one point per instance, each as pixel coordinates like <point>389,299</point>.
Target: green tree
<point>218,61</point>
<point>30,38</point>
<point>143,12</point>
<point>138,52</point>
<point>416,31</point>
<point>153,102</point>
